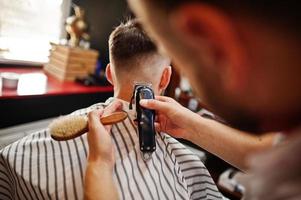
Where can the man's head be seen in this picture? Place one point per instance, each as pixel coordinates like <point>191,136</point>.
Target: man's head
<point>241,57</point>
<point>134,58</point>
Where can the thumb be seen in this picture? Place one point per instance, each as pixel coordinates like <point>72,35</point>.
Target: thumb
<point>155,105</point>
<point>96,130</point>
<point>114,106</point>
<point>99,139</point>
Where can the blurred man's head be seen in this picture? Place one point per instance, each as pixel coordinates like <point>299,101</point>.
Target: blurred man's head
<point>134,58</point>
<point>241,57</point>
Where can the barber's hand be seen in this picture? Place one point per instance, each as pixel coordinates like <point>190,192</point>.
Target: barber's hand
<point>172,117</point>
<point>99,138</point>
<point>99,183</point>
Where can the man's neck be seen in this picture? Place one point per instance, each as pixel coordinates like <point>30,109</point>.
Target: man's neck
<point>123,94</point>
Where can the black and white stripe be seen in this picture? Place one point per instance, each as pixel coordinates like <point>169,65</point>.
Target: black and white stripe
<point>37,167</point>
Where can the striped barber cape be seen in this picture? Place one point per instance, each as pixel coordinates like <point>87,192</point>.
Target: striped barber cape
<point>37,167</point>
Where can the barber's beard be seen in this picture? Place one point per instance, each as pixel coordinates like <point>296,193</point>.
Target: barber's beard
<point>243,120</point>
<point>237,116</point>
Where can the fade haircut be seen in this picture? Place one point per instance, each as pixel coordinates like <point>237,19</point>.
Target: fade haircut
<point>128,43</point>
<point>278,12</point>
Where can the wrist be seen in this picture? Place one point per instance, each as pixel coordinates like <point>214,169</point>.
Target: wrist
<point>101,163</point>
<point>99,182</point>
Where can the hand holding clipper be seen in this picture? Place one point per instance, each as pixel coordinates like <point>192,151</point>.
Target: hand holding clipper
<point>146,120</point>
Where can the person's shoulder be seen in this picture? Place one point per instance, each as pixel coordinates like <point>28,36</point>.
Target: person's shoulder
<point>179,150</point>
<point>85,111</point>
<point>41,136</point>
<point>191,169</point>
<point>27,140</point>
<point>43,133</point>
<point>189,162</point>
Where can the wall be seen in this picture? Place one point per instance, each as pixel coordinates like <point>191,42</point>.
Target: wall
<point>103,15</point>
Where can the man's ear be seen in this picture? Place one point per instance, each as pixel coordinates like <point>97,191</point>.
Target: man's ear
<point>214,37</point>
<point>165,78</point>
<point>109,74</point>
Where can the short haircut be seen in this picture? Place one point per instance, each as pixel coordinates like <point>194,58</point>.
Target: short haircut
<point>282,12</point>
<point>128,42</point>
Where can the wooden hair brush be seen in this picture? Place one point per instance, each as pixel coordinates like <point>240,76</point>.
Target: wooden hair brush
<point>71,126</point>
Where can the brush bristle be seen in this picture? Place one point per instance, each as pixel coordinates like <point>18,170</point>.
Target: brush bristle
<point>68,126</point>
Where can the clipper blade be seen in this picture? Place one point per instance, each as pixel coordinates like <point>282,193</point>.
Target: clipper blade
<point>146,155</point>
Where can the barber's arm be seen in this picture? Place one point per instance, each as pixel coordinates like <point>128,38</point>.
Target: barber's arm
<point>227,143</point>
<point>99,183</point>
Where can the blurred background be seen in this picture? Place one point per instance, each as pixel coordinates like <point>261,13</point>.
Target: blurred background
<point>27,26</point>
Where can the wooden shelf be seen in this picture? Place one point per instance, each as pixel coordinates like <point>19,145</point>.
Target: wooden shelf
<point>53,86</point>
<point>43,97</point>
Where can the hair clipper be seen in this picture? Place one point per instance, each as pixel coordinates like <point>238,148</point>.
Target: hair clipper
<point>145,120</point>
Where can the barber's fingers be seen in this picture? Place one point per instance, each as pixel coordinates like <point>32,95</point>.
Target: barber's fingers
<point>164,99</point>
<point>94,119</point>
<point>96,129</point>
<point>114,106</point>
<point>154,104</point>
<point>99,139</point>
<point>158,127</point>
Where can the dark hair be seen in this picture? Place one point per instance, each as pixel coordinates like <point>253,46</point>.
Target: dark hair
<point>129,41</point>
<point>285,12</point>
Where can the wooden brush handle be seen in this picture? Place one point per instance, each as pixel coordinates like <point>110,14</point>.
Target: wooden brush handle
<point>56,133</point>
<point>113,118</point>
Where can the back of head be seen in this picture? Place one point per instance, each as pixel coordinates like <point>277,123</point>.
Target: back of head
<point>133,55</point>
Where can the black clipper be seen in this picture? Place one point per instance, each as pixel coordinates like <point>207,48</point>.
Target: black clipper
<point>145,120</point>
